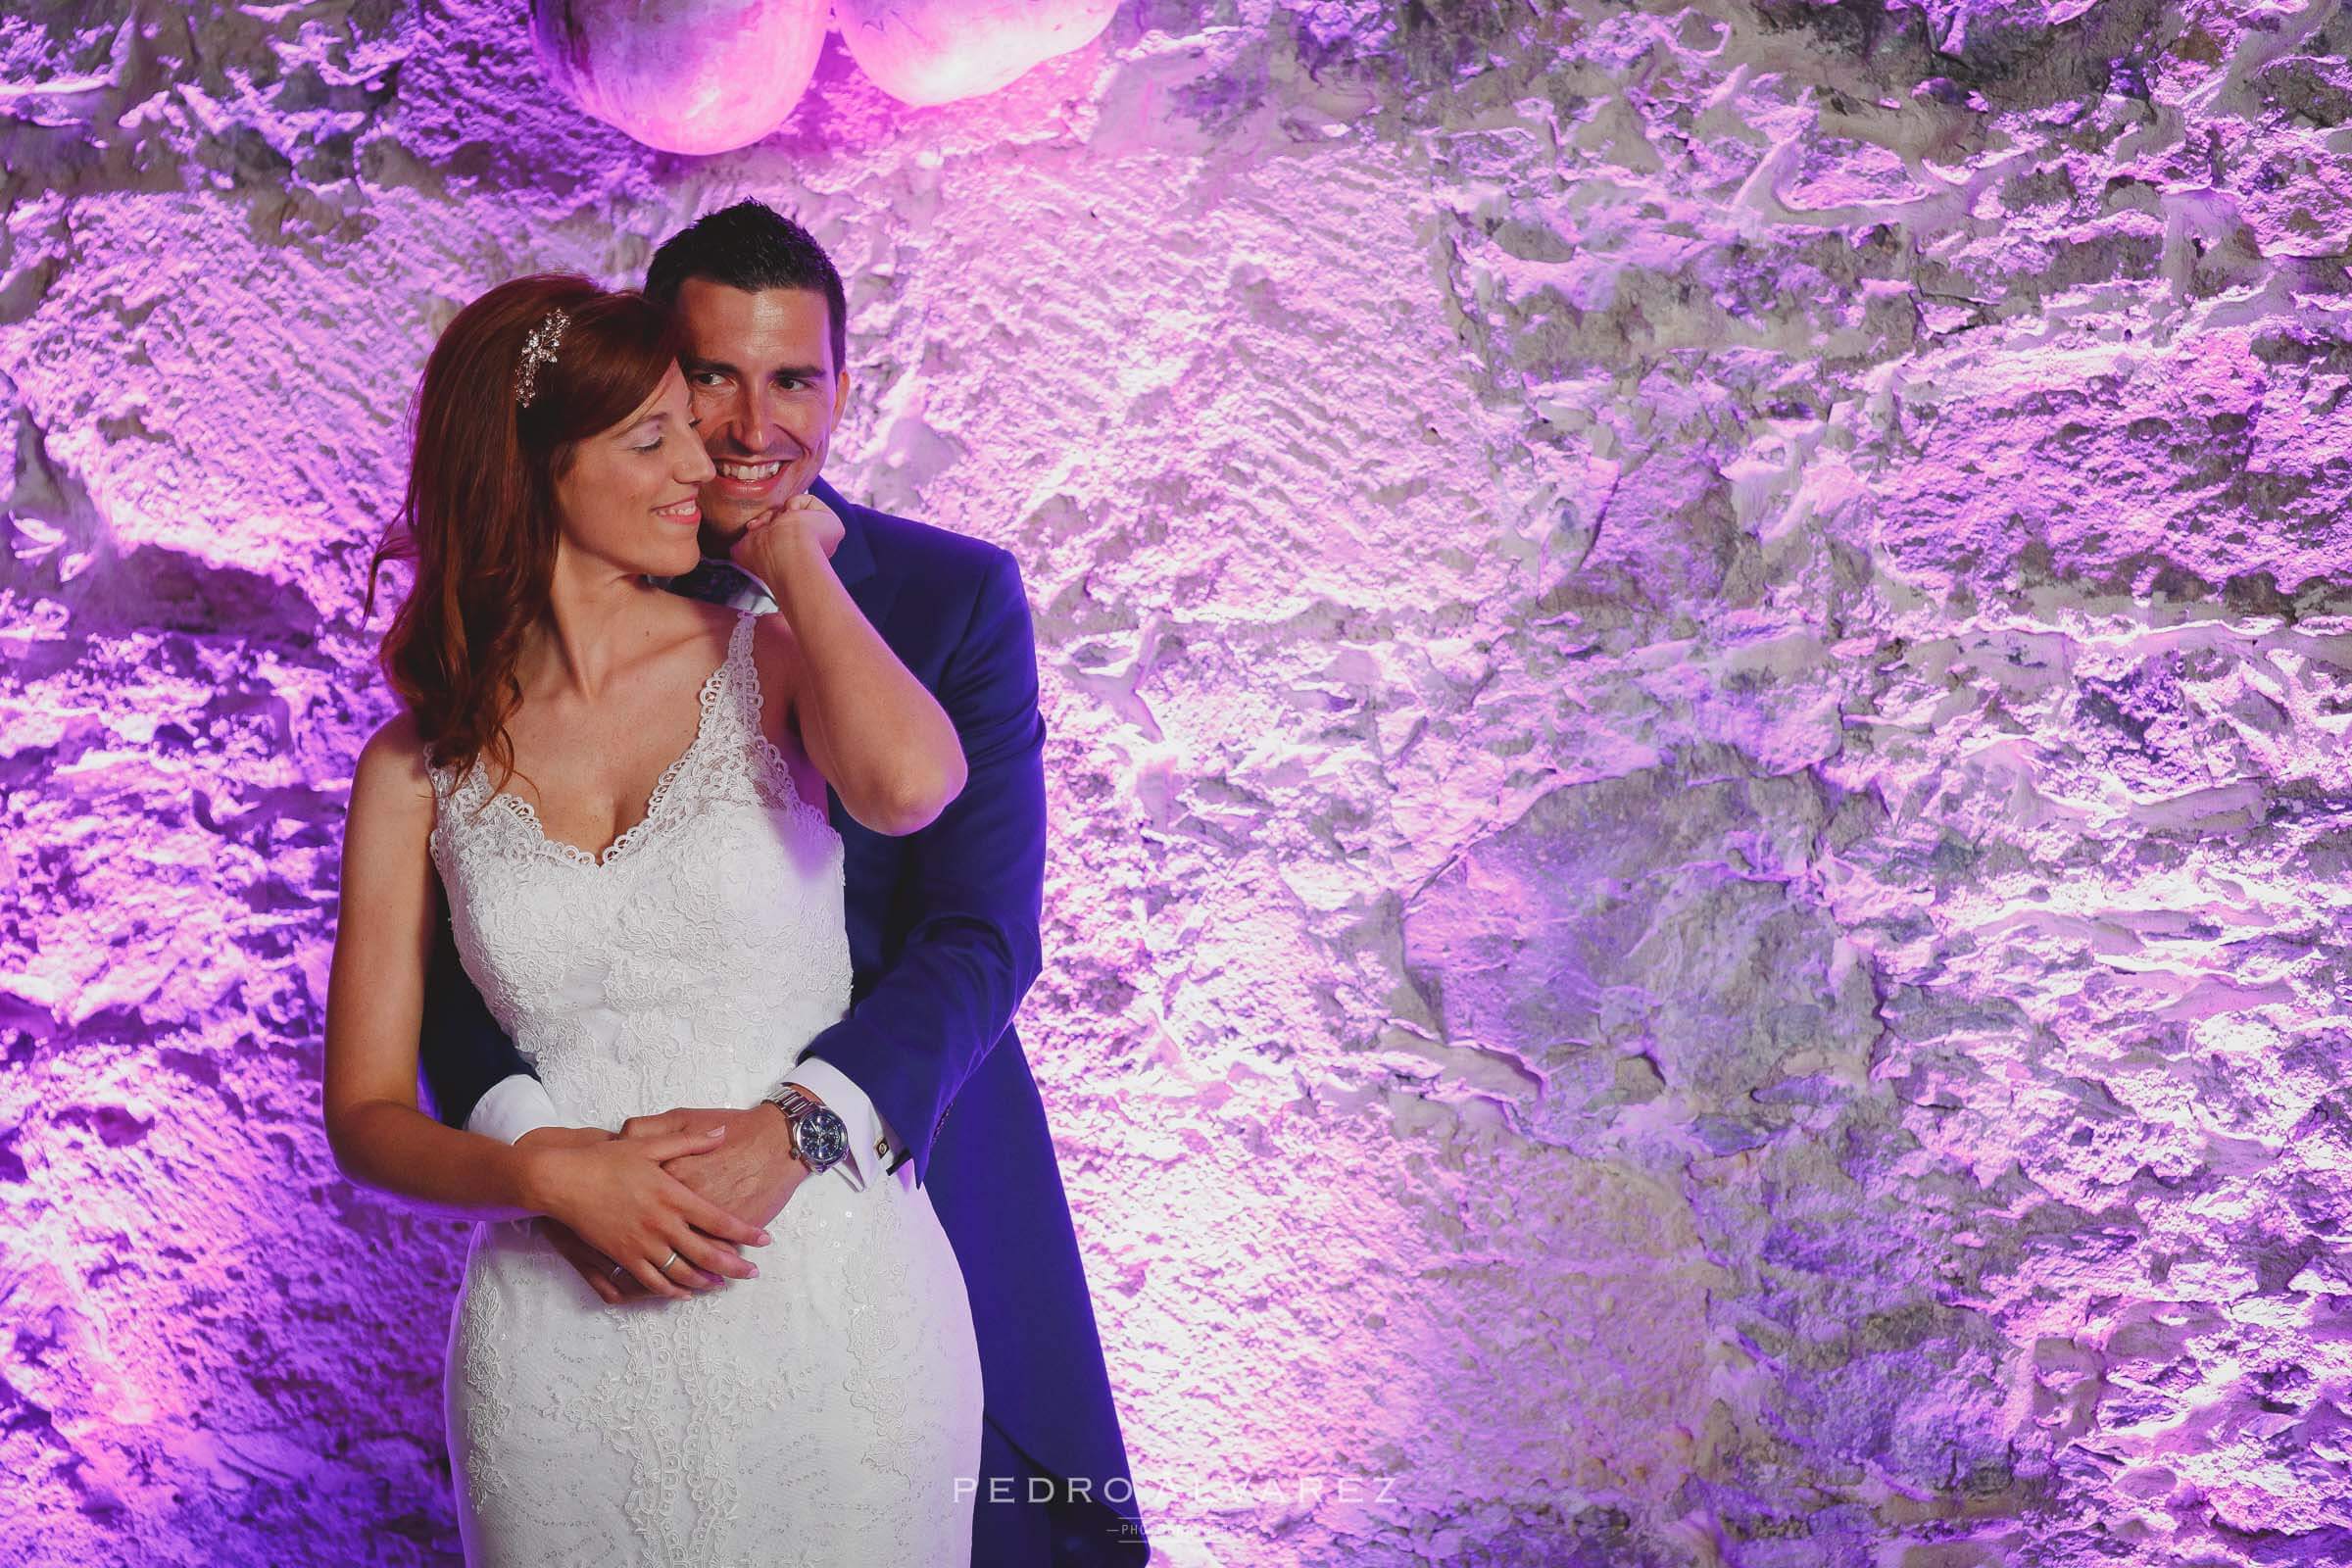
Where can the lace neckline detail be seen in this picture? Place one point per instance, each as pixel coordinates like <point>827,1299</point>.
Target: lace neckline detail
<point>706,699</point>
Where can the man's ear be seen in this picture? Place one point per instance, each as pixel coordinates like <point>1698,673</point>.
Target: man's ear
<point>841,399</point>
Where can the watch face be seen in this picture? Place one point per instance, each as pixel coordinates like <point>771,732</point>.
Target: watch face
<point>823,1139</point>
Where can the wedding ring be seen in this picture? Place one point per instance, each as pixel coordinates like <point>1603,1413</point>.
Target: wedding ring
<point>672,1259</point>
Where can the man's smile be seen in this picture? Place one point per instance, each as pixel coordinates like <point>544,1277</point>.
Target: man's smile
<point>748,480</point>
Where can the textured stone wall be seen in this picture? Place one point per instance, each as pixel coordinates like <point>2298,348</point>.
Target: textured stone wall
<point>1697,662</point>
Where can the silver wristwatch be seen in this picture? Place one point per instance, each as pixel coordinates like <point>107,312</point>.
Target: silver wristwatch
<point>818,1137</point>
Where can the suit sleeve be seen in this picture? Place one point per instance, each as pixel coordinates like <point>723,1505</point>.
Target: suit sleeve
<point>462,1048</point>
<point>975,879</point>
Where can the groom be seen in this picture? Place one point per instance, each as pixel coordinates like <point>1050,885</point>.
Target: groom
<point>943,923</point>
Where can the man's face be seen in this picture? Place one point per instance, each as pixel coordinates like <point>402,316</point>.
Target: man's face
<point>766,393</point>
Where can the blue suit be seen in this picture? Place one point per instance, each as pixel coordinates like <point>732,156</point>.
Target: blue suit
<point>944,938</point>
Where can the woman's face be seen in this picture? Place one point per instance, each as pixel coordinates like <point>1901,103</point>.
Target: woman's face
<point>628,499</point>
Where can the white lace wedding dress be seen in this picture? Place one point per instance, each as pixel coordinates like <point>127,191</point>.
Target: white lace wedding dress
<point>822,1412</point>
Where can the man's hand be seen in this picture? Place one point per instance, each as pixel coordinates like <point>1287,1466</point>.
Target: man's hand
<point>591,1266</point>
<point>753,1182</point>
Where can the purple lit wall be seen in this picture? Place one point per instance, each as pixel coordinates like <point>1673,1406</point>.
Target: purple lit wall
<point>1697,666</point>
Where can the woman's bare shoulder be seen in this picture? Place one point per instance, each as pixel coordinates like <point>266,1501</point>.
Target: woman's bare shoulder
<point>393,770</point>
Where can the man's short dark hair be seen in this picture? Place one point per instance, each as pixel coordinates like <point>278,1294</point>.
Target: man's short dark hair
<point>750,246</point>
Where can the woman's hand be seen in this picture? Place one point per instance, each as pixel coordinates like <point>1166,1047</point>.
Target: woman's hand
<point>613,1195</point>
<point>788,538</point>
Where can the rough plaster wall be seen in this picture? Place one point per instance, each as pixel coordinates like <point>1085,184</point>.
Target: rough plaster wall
<point>1695,666</point>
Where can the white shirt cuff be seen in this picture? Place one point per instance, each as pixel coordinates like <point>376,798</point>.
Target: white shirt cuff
<point>872,1141</point>
<point>515,1105</point>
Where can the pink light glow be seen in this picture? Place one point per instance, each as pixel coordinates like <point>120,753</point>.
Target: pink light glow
<point>937,51</point>
<point>706,77</point>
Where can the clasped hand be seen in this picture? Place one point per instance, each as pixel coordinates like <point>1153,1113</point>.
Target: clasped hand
<point>664,1182</point>
<point>782,538</point>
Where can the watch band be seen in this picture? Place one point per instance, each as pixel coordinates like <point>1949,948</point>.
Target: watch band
<point>793,1101</point>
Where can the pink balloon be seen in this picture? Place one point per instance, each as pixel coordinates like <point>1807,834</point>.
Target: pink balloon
<point>684,75</point>
<point>937,51</point>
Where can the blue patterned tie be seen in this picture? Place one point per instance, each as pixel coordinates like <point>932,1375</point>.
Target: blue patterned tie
<point>721,583</point>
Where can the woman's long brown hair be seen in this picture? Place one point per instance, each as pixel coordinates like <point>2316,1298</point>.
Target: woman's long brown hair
<point>479,517</point>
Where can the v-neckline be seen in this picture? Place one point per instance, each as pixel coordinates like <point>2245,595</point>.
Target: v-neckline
<point>706,698</point>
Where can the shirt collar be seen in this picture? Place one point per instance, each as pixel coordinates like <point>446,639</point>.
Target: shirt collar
<point>719,582</point>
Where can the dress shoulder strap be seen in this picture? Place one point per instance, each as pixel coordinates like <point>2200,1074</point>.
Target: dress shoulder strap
<point>446,781</point>
<point>738,701</point>
<point>749,766</point>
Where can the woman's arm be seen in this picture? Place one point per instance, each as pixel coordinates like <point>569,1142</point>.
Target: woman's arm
<point>883,742</point>
<point>971,887</point>
<point>612,1191</point>
<point>376,1003</point>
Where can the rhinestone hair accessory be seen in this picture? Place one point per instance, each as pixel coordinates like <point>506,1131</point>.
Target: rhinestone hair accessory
<point>537,350</point>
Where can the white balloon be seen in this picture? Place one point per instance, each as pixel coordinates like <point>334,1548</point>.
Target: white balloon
<point>937,51</point>
<point>684,75</point>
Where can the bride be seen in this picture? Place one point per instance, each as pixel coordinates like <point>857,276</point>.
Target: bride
<point>623,793</point>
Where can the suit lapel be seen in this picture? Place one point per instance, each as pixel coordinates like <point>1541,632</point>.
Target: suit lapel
<point>854,563</point>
